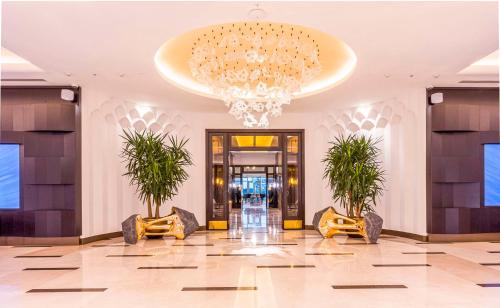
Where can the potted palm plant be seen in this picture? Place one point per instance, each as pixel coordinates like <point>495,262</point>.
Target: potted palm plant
<point>156,168</point>
<point>354,173</point>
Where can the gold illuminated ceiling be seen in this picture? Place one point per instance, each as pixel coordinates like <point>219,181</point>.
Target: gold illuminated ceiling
<point>336,58</point>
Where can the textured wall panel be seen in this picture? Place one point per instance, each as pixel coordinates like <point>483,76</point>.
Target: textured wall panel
<point>485,220</point>
<point>453,169</point>
<point>455,117</point>
<point>456,144</point>
<point>49,170</point>
<point>458,128</point>
<point>46,127</point>
<point>49,197</point>
<point>465,195</point>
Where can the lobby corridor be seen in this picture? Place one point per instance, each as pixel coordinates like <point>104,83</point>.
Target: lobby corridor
<point>252,269</point>
<point>242,154</point>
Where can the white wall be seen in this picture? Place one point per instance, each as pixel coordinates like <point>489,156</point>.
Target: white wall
<point>107,199</point>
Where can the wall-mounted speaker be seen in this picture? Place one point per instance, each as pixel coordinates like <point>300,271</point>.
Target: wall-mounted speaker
<point>68,95</point>
<point>437,98</point>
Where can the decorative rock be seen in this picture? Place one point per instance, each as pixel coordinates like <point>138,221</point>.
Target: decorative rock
<point>129,228</point>
<point>373,225</point>
<point>188,220</point>
<point>317,217</point>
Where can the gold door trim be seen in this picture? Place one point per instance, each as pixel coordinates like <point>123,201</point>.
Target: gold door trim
<point>292,224</point>
<point>217,225</point>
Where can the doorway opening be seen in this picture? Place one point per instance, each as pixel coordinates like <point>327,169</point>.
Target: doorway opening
<point>255,189</point>
<point>255,179</point>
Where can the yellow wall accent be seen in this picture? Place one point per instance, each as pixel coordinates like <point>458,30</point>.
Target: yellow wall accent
<point>292,224</point>
<point>217,225</point>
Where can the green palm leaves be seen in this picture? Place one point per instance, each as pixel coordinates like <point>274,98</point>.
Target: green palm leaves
<point>354,174</point>
<point>157,169</point>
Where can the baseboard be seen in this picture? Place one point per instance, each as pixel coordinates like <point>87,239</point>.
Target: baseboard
<point>22,240</point>
<point>99,237</point>
<point>309,227</point>
<point>413,236</point>
<point>469,237</point>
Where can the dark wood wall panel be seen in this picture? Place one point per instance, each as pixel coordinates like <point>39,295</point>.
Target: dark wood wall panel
<point>455,144</point>
<point>455,117</point>
<point>453,169</point>
<point>48,130</point>
<point>457,130</point>
<point>49,170</point>
<point>465,195</point>
<point>48,197</point>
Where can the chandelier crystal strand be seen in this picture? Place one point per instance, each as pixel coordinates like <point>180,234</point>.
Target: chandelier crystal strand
<point>255,67</point>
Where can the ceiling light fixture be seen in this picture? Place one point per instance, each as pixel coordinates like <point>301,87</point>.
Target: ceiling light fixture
<point>255,67</point>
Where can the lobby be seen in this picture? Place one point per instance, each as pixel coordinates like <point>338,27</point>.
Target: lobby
<point>253,191</point>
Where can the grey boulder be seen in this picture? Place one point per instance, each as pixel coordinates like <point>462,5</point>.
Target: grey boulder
<point>373,225</point>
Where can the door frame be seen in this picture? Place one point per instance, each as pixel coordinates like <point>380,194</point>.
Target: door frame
<point>296,222</point>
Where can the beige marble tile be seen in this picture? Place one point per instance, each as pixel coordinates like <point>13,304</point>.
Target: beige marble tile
<point>450,280</point>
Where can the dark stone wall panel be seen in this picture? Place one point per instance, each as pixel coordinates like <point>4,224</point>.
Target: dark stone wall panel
<point>489,137</point>
<point>456,144</point>
<point>48,130</point>
<point>49,170</point>
<point>49,197</point>
<point>438,220</point>
<point>12,137</point>
<point>54,223</point>
<point>485,220</point>
<point>54,117</point>
<point>488,119</point>
<point>40,116</point>
<point>455,117</point>
<point>456,132</point>
<point>457,220</point>
<point>456,169</point>
<point>49,144</point>
<point>11,223</point>
<point>7,119</point>
<point>466,195</point>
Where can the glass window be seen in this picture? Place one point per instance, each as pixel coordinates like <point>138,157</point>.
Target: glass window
<point>266,141</point>
<point>218,205</point>
<point>254,141</point>
<point>242,141</point>
<point>293,176</point>
<point>217,144</point>
<point>292,145</point>
<point>254,169</point>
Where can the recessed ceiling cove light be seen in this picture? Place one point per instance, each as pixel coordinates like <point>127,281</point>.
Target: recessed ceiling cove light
<point>255,67</point>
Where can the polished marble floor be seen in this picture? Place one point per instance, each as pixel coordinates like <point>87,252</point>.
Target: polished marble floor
<point>264,268</point>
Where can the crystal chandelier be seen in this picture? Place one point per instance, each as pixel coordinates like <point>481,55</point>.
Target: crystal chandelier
<point>255,67</point>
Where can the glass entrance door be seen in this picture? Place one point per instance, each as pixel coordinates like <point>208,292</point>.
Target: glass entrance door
<point>255,179</point>
<point>254,202</point>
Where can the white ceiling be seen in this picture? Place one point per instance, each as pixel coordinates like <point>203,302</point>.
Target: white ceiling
<point>13,63</point>
<point>112,44</point>
<point>484,66</point>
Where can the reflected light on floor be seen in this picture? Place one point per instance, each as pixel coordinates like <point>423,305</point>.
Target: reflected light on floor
<point>259,251</point>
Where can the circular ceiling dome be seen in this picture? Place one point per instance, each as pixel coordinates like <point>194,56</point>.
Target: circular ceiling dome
<point>275,49</point>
